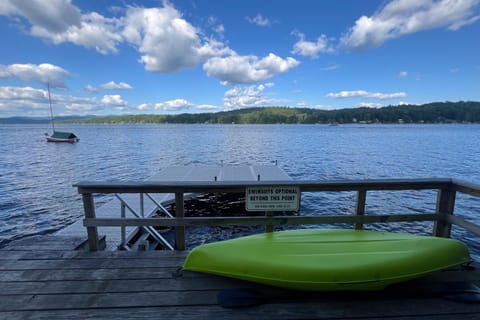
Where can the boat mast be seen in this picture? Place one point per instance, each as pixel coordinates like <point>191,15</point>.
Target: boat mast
<point>50,103</point>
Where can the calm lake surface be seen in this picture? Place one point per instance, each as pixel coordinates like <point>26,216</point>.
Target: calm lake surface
<point>36,177</point>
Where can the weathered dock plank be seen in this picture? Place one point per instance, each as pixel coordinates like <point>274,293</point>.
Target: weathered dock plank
<point>206,312</point>
<point>55,284</point>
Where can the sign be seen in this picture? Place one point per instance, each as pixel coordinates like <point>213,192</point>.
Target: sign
<point>277,198</point>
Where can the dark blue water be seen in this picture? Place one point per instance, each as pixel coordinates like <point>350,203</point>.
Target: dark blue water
<point>36,177</point>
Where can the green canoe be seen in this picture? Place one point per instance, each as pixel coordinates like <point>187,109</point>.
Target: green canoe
<point>328,260</point>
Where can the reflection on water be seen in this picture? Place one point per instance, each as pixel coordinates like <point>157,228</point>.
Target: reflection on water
<point>37,197</point>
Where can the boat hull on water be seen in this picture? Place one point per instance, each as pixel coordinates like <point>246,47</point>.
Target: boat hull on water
<point>58,136</point>
<point>328,260</point>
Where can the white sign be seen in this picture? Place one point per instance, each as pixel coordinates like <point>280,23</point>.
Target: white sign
<point>278,198</point>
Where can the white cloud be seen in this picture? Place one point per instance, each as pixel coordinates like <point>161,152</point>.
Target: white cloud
<point>20,95</point>
<point>250,96</point>
<point>143,106</point>
<point>370,105</point>
<point>114,99</point>
<point>247,69</point>
<point>80,108</point>
<point>462,23</point>
<point>55,16</point>
<point>91,89</point>
<point>59,21</point>
<point>173,105</point>
<point>309,48</point>
<point>25,101</point>
<point>95,31</point>
<point>365,94</point>
<point>167,42</point>
<point>402,74</point>
<point>112,85</point>
<point>220,29</point>
<point>401,17</point>
<point>259,20</point>
<point>32,101</point>
<point>43,73</point>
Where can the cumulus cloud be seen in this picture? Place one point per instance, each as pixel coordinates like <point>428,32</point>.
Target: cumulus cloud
<point>311,48</point>
<point>60,21</point>
<point>114,100</point>
<point>167,42</point>
<point>365,94</point>
<point>402,74</point>
<point>112,85</point>
<point>259,20</point>
<point>247,69</point>
<point>34,102</point>
<point>80,108</point>
<point>370,105</point>
<point>401,17</point>
<point>91,89</point>
<point>55,16</point>
<point>173,105</point>
<point>250,96</point>
<point>161,35</point>
<point>95,31</point>
<point>24,95</point>
<point>43,73</point>
<point>143,106</point>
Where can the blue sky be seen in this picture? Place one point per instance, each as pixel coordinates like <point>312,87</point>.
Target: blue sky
<point>165,57</point>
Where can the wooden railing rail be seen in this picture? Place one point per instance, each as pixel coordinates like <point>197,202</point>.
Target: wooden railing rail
<point>443,216</point>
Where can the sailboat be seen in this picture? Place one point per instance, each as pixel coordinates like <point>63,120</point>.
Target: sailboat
<point>59,136</point>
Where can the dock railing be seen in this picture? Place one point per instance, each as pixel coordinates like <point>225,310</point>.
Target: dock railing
<point>442,215</point>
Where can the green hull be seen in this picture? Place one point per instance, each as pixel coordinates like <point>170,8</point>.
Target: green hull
<point>328,260</point>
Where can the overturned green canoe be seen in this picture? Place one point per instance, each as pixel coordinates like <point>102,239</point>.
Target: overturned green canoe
<point>328,260</point>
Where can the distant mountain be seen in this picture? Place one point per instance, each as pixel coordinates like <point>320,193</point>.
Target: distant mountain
<point>41,120</point>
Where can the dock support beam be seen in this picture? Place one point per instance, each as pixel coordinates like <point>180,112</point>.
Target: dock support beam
<point>360,209</point>
<point>445,207</point>
<point>92,232</point>
<point>180,213</point>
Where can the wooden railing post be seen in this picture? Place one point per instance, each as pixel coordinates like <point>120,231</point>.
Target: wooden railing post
<point>445,206</point>
<point>179,231</point>
<point>123,229</point>
<point>92,232</point>
<point>360,208</point>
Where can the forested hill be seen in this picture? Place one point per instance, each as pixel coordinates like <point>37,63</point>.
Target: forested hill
<point>440,112</point>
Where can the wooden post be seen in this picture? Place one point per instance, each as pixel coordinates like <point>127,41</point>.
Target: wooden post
<point>92,232</point>
<point>360,210</point>
<point>123,229</point>
<point>445,206</point>
<point>179,231</point>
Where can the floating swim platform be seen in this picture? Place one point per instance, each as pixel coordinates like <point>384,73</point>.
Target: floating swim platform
<point>328,260</point>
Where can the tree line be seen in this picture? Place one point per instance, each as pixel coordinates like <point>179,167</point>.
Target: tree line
<point>438,112</point>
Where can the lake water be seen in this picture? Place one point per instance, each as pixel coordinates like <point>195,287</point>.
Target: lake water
<point>36,177</point>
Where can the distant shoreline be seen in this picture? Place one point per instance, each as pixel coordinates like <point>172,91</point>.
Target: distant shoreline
<point>432,113</point>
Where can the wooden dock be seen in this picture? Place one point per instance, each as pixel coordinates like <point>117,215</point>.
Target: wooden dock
<point>45,278</point>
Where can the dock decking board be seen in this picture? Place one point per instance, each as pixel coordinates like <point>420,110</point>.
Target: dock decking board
<point>40,283</point>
